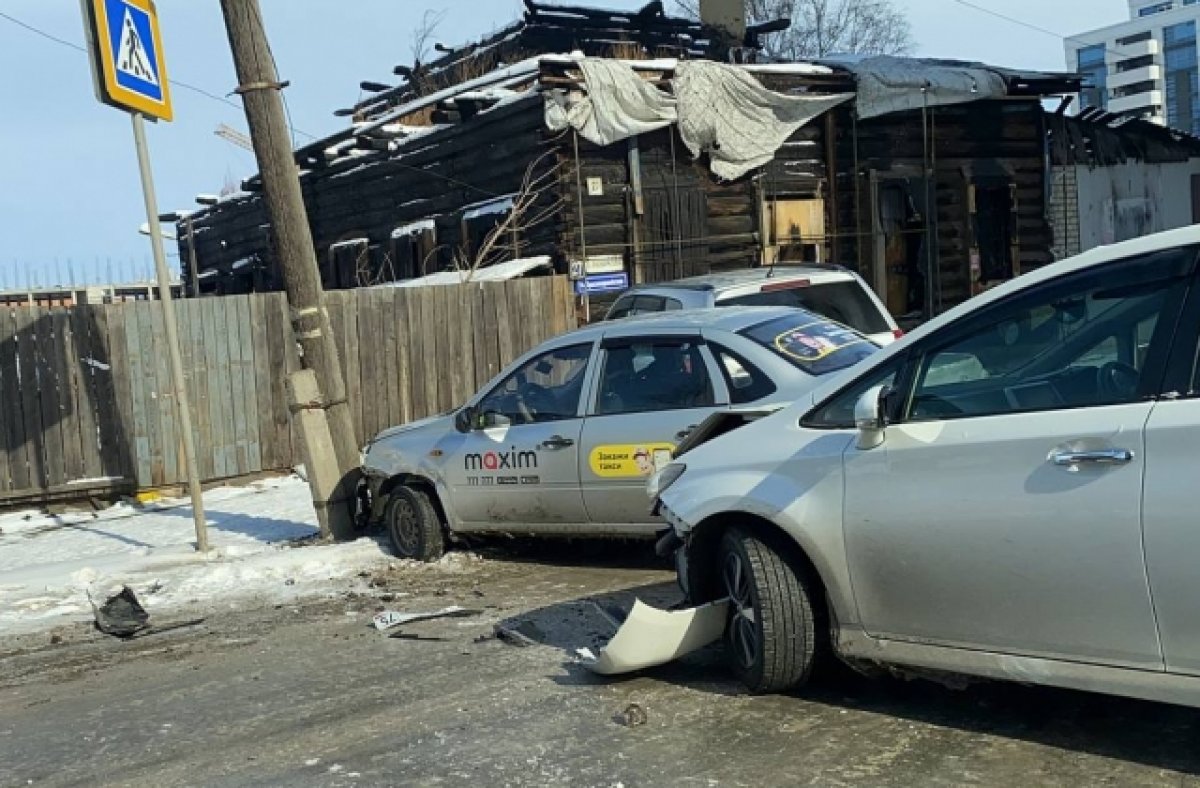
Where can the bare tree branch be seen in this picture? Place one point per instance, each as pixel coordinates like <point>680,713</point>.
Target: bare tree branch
<point>422,35</point>
<point>534,203</point>
<point>821,28</point>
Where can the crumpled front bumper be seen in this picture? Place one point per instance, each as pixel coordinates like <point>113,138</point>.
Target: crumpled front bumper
<point>673,543</point>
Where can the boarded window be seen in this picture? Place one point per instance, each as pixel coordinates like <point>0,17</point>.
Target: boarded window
<point>412,252</point>
<point>346,263</point>
<point>797,231</point>
<point>674,235</point>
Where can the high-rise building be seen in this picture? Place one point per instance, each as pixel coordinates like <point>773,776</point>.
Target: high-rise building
<point>1146,66</point>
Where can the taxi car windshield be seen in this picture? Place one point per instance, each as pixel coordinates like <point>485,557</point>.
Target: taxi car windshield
<point>813,345</point>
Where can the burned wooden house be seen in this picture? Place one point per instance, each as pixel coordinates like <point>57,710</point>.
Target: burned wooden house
<point>654,148</point>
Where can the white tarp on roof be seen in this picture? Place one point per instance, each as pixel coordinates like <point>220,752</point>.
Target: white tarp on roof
<point>721,110</point>
<point>891,84</point>
<point>500,272</point>
<point>619,104</point>
<point>728,114</point>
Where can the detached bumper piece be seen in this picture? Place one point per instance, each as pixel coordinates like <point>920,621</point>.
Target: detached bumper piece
<point>651,637</point>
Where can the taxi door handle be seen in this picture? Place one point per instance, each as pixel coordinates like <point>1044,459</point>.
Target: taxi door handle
<point>557,442</point>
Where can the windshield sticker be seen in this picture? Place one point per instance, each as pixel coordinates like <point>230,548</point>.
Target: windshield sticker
<point>630,461</point>
<point>815,341</point>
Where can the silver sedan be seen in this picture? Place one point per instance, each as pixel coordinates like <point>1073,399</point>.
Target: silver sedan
<point>563,441</point>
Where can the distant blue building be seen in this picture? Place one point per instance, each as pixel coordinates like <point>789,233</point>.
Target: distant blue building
<point>1146,67</point>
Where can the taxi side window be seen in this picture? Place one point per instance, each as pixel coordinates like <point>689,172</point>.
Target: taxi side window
<point>746,382</point>
<point>662,375</point>
<point>547,388</point>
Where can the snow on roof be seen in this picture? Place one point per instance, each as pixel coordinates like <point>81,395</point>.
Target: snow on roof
<point>811,69</point>
<point>500,272</point>
<point>348,243</point>
<point>515,73</point>
<point>414,228</point>
<point>488,94</point>
<point>488,207</point>
<point>657,64</point>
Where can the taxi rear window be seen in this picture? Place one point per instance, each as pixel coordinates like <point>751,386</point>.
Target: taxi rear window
<point>816,346</point>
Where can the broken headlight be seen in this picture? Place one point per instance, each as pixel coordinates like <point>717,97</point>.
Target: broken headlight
<point>663,479</point>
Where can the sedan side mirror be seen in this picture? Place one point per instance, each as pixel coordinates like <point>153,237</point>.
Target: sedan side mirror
<point>465,419</point>
<point>870,416</point>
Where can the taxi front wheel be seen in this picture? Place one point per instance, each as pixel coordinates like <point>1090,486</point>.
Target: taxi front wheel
<point>413,525</point>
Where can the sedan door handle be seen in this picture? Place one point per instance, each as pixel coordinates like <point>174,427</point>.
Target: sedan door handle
<point>1100,457</point>
<point>557,442</point>
<point>683,434</point>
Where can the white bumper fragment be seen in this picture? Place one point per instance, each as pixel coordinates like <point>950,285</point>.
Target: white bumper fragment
<point>651,637</point>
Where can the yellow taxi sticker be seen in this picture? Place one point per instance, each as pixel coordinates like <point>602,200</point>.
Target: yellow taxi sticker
<point>635,460</point>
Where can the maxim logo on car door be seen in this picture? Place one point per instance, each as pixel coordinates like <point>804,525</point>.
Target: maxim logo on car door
<point>501,460</point>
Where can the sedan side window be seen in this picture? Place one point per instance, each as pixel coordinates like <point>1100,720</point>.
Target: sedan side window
<point>547,388</point>
<point>838,413</point>
<point>659,375</point>
<point>1085,349</point>
<point>1195,387</point>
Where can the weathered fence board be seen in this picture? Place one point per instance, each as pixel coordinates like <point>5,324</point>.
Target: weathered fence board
<point>90,403</point>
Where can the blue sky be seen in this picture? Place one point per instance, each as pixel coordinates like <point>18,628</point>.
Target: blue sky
<point>70,202</point>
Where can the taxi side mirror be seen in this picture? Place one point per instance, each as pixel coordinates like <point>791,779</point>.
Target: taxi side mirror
<point>466,419</point>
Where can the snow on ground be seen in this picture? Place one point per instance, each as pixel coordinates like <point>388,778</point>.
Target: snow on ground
<point>49,564</point>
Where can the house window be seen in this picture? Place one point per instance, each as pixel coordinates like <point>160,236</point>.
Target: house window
<point>346,264</point>
<point>412,252</point>
<point>796,229</point>
<point>996,251</point>
<point>479,237</point>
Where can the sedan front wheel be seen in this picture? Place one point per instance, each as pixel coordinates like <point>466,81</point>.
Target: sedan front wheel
<point>770,638</point>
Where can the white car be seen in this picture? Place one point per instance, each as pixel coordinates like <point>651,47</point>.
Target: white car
<point>829,290</point>
<point>1006,493</point>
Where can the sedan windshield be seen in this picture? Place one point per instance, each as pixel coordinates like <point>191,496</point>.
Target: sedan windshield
<point>811,344</point>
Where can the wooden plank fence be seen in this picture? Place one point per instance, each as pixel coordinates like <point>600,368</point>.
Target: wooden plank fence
<point>86,392</point>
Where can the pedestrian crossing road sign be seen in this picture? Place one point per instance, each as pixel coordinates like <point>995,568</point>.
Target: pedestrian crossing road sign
<point>128,66</point>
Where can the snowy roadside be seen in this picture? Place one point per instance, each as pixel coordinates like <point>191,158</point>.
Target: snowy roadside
<point>49,565</point>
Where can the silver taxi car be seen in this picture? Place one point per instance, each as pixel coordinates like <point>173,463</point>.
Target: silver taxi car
<point>563,441</point>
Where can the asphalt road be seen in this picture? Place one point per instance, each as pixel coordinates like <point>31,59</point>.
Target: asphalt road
<point>311,696</point>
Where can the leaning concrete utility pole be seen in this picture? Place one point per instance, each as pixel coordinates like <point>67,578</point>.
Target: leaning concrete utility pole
<point>260,88</point>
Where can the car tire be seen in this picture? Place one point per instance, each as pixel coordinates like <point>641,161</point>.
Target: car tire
<point>413,525</point>
<point>770,638</point>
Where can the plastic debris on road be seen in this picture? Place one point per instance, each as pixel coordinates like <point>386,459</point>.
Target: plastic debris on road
<point>651,637</point>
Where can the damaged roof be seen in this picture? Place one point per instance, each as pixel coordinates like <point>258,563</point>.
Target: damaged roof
<point>1098,138</point>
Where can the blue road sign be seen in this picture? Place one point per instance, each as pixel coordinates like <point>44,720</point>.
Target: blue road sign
<point>127,56</point>
<point>602,283</point>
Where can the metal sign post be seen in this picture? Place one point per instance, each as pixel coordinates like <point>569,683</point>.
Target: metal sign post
<point>130,73</point>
